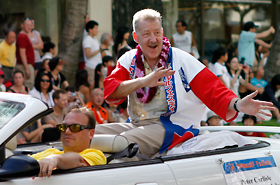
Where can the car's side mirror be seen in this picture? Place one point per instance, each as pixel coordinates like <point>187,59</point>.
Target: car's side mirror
<point>18,166</point>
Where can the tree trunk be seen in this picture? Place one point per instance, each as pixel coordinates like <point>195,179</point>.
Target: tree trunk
<point>272,66</point>
<point>71,38</point>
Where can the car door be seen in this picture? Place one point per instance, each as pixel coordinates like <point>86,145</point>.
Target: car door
<point>205,168</point>
<point>150,172</point>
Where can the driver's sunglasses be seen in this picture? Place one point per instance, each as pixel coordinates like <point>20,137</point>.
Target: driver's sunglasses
<point>73,127</point>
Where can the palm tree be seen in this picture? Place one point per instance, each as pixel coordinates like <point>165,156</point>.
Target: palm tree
<point>272,66</point>
<point>71,38</point>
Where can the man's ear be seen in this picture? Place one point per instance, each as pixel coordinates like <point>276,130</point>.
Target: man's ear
<point>135,37</point>
<point>91,133</point>
<point>55,101</point>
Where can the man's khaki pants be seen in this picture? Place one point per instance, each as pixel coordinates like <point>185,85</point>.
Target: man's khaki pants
<point>148,135</point>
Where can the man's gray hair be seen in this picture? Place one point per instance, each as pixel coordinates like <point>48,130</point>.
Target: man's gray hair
<point>146,14</point>
<point>104,37</point>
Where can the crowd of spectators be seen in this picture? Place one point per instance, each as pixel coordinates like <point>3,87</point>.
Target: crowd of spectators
<point>30,66</point>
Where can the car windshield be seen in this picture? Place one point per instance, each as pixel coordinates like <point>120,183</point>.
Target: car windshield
<point>8,109</point>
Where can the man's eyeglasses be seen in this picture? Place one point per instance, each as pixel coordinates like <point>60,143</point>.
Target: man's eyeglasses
<point>43,80</point>
<point>73,127</point>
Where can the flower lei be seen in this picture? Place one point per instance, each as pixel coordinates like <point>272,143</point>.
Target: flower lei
<point>140,71</point>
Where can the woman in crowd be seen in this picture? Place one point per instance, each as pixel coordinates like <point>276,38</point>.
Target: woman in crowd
<point>43,88</point>
<point>18,86</point>
<point>121,39</point>
<point>233,78</point>
<point>269,94</point>
<point>98,77</point>
<point>82,85</point>
<point>45,65</point>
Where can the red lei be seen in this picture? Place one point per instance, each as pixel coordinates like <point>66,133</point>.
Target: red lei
<point>140,71</point>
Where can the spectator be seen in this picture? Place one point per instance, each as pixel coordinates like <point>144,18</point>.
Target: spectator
<point>78,124</point>
<point>59,111</point>
<point>92,50</point>
<point>74,98</point>
<point>37,44</point>
<point>107,41</point>
<point>257,80</point>
<point>98,82</point>
<point>2,86</point>
<point>18,86</point>
<point>45,65</point>
<point>58,79</point>
<point>121,39</point>
<point>109,65</point>
<point>213,119</point>
<point>97,99</point>
<point>233,78</point>
<point>25,53</point>
<point>249,120</point>
<point>246,43</point>
<point>82,85</point>
<point>48,50</point>
<point>220,56</point>
<point>249,88</point>
<point>183,39</point>
<point>43,88</point>
<point>269,94</point>
<point>33,133</point>
<point>8,54</point>
<point>113,114</point>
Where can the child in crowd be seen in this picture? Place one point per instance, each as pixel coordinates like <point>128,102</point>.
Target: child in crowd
<point>220,56</point>
<point>2,86</point>
<point>213,119</point>
<point>249,120</point>
<point>109,65</point>
<point>48,50</point>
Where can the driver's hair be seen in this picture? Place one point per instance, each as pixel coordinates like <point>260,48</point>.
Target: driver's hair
<point>146,14</point>
<point>88,113</point>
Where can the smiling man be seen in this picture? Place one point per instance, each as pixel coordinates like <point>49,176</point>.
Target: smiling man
<point>167,90</point>
<point>77,130</point>
<point>97,99</point>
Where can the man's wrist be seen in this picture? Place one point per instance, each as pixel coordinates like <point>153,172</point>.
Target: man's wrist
<point>235,105</point>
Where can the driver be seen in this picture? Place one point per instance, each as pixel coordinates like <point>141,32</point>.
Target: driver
<point>167,90</point>
<point>77,130</point>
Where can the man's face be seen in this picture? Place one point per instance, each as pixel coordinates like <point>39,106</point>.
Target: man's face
<point>94,30</point>
<point>62,101</point>
<point>76,141</point>
<point>11,37</point>
<point>149,37</point>
<point>27,26</point>
<point>97,97</point>
<point>180,29</point>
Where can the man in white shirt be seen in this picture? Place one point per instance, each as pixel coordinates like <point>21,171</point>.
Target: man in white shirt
<point>92,49</point>
<point>183,39</point>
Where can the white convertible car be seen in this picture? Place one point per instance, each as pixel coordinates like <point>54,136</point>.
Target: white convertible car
<point>256,163</point>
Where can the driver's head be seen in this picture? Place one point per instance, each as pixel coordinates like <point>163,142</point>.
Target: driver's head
<point>75,139</point>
